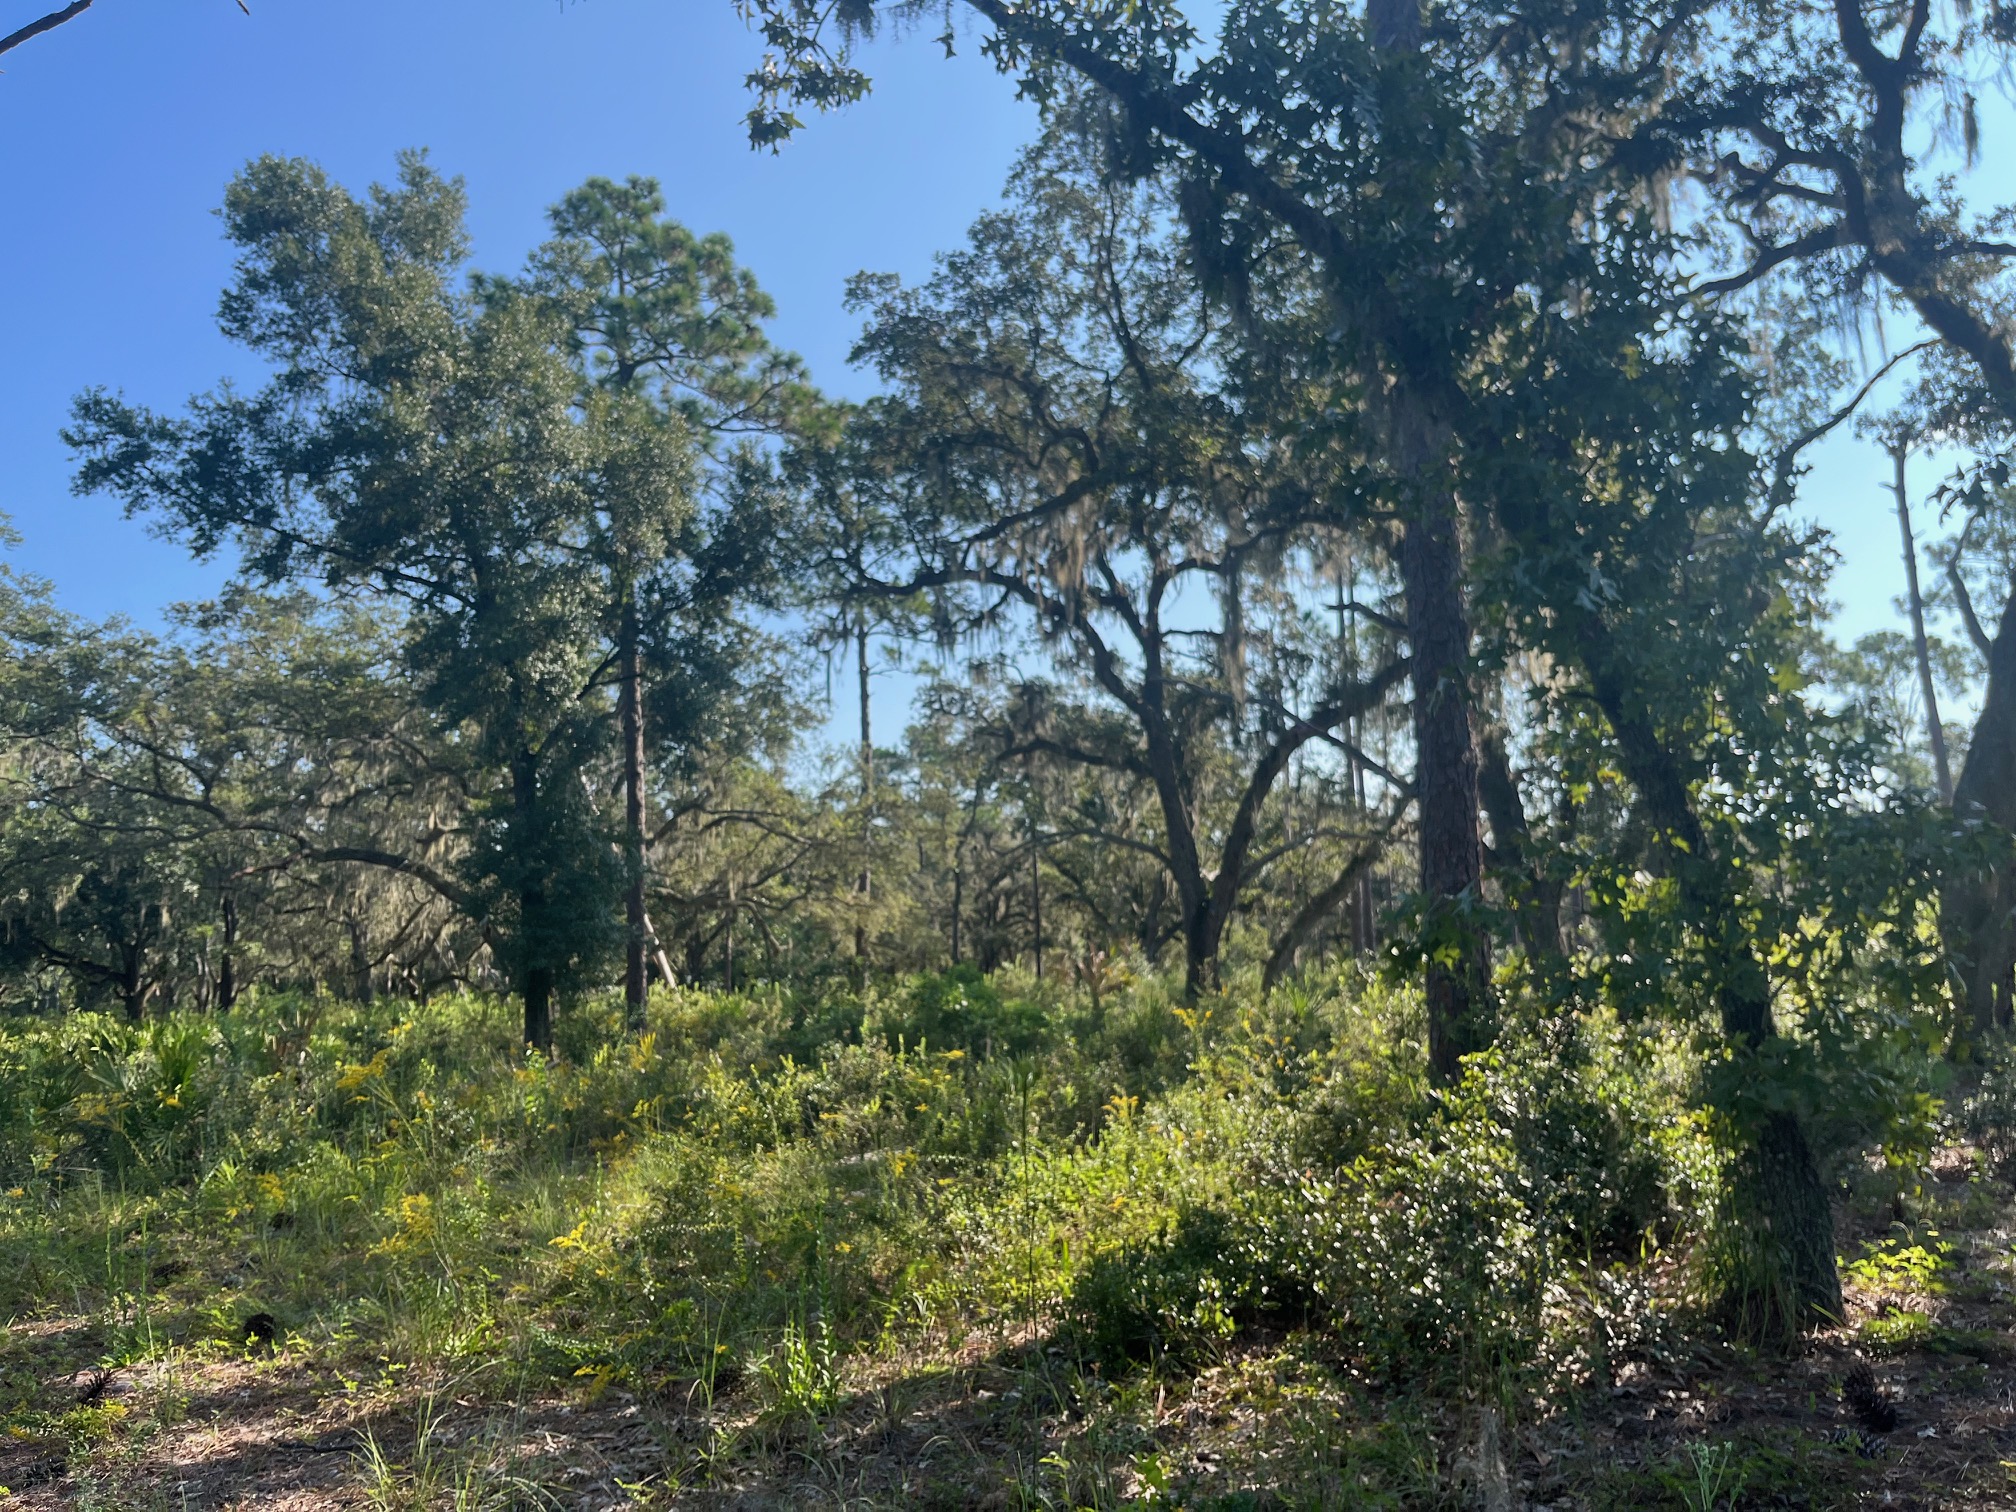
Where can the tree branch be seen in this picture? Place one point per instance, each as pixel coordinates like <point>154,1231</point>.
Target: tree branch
<point>46,23</point>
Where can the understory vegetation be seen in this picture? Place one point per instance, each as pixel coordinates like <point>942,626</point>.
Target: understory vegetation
<point>768,1208</point>
<point>703,1200</point>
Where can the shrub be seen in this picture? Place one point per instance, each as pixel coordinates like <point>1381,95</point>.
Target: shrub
<point>1172,1296</point>
<point>1443,1241</point>
<point>959,1009</point>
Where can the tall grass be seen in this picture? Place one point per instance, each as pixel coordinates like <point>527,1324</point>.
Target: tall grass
<point>761,1188</point>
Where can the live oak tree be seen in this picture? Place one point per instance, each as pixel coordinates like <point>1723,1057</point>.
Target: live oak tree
<point>1823,129</point>
<point>433,442</point>
<point>1446,169</point>
<point>1056,449</point>
<point>1411,177</point>
<point>225,779</point>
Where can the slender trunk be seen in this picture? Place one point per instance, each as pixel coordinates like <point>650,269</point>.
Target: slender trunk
<point>1934,730</point>
<point>1975,906</point>
<point>360,959</point>
<point>728,947</point>
<point>630,705</point>
<point>958,900</point>
<point>539,1008</point>
<point>1460,1010</point>
<point>132,988</point>
<point>1534,896</point>
<point>535,974</point>
<point>1036,905</point>
<point>227,967</point>
<point>1364,930</point>
<point>657,956</point>
<point>865,881</point>
<point>1359,919</point>
<point>1452,845</point>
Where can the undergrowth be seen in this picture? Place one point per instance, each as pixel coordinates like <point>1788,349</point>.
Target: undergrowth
<point>761,1197</point>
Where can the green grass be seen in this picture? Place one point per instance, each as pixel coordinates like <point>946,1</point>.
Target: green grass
<point>735,1211</point>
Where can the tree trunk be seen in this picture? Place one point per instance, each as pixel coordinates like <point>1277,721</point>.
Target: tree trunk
<point>630,705</point>
<point>360,959</point>
<point>535,974</point>
<point>1445,782</point>
<point>1535,898</point>
<point>132,982</point>
<point>657,956</point>
<point>1036,904</point>
<point>227,967</point>
<point>1934,730</point>
<point>1975,906</point>
<point>958,900</point>
<point>728,947</point>
<point>1460,1010</point>
<point>1778,1193</point>
<point>539,1008</point>
<point>1364,928</point>
<point>864,883</point>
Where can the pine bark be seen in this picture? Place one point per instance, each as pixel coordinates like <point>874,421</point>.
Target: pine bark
<point>535,977</point>
<point>637,942</point>
<point>1975,905</point>
<point>864,884</point>
<point>227,967</point>
<point>1458,986</point>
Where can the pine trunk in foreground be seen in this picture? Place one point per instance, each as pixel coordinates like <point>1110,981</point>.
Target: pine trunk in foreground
<point>536,978</point>
<point>1458,984</point>
<point>637,936</point>
<point>1975,905</point>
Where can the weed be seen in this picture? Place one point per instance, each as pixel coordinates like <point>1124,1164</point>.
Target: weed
<point>1713,1477</point>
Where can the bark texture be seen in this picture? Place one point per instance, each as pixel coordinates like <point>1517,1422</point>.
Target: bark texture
<point>637,943</point>
<point>1976,905</point>
<point>1458,982</point>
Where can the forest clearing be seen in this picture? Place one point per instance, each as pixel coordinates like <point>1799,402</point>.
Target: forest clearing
<point>1325,816</point>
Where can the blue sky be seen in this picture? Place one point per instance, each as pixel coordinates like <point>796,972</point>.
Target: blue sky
<point>123,126</point>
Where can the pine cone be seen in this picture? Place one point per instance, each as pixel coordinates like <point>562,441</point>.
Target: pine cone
<point>91,1388</point>
<point>1863,1445</point>
<point>1872,1405</point>
<point>260,1331</point>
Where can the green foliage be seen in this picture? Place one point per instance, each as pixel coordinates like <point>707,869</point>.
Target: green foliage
<point>959,1010</point>
<point>1432,1247</point>
<point>1898,1265</point>
<point>1437,1250</point>
<point>1730,1474</point>
<point>700,1204</point>
<point>1897,1331</point>
<point>450,453</point>
<point>1172,1297</point>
